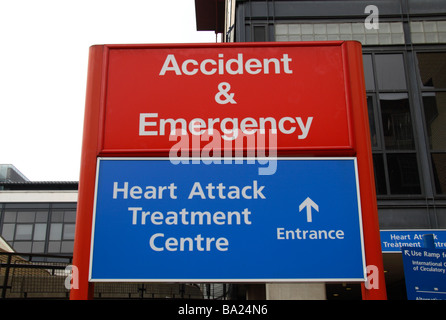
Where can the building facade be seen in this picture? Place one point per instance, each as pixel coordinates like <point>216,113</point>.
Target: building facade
<point>38,217</point>
<point>404,58</point>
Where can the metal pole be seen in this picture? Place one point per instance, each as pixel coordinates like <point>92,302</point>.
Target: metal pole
<point>372,242</point>
<point>82,240</point>
<point>5,281</point>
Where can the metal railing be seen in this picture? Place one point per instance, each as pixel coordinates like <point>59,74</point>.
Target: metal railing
<point>28,276</point>
<point>33,276</point>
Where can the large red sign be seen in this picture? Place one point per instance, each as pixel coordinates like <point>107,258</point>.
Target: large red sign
<point>292,97</point>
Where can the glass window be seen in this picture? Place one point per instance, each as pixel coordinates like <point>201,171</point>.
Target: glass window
<point>390,71</point>
<point>56,231</point>
<point>403,174</point>
<point>22,246</point>
<point>259,33</point>
<point>24,232</point>
<point>57,216</point>
<point>70,216</point>
<point>432,73</point>
<point>26,216</point>
<point>388,33</point>
<point>435,117</point>
<point>432,66</point>
<point>38,247</point>
<point>396,122</point>
<point>39,231</point>
<point>42,216</point>
<point>10,216</point>
<point>26,227</point>
<point>68,232</point>
<point>8,231</point>
<point>395,159</point>
<point>67,246</point>
<point>54,247</point>
<point>380,175</point>
<point>368,72</point>
<point>439,169</point>
<point>372,121</point>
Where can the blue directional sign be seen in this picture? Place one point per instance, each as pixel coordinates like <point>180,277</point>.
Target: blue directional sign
<point>425,273</point>
<point>157,220</point>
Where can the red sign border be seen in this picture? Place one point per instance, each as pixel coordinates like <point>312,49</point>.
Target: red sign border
<point>93,139</point>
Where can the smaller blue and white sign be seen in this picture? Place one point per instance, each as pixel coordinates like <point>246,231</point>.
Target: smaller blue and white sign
<point>425,273</point>
<point>394,240</point>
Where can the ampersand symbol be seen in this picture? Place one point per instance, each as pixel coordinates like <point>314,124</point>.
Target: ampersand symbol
<point>223,89</point>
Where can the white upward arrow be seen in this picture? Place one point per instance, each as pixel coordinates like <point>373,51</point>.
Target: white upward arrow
<point>308,203</point>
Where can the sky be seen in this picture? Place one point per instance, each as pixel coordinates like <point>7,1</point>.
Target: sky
<point>43,70</point>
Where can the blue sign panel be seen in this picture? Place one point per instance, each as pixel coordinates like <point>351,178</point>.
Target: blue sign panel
<point>394,240</point>
<point>425,273</point>
<point>155,220</point>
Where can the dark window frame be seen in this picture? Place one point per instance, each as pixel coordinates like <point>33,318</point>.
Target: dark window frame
<point>385,185</point>
<point>423,91</point>
<point>67,211</point>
